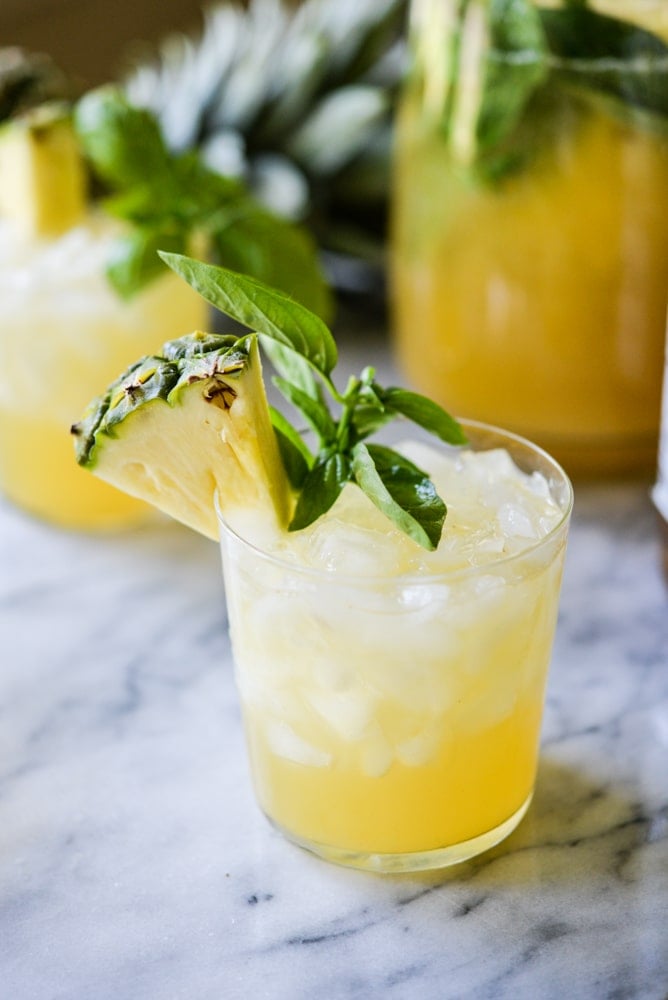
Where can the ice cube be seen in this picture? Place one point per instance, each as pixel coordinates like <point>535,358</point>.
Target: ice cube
<point>491,707</point>
<point>348,713</point>
<point>515,522</point>
<point>419,749</point>
<point>487,584</point>
<point>286,743</point>
<point>377,759</point>
<point>376,755</point>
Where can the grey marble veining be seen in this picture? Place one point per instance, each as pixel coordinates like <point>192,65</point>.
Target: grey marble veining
<point>134,862</point>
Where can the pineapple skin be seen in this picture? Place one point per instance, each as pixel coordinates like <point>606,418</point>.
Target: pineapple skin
<point>43,183</point>
<point>177,429</point>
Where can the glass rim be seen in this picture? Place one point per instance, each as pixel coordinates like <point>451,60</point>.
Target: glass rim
<point>421,578</point>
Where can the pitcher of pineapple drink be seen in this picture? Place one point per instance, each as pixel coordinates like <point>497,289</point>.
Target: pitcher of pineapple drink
<point>63,329</point>
<point>530,229</point>
<point>392,701</point>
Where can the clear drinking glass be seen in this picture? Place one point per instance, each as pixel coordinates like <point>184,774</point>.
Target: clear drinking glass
<point>530,245</point>
<point>393,722</point>
<point>64,333</point>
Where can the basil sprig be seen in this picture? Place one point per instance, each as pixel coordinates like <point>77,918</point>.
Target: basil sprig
<point>511,53</point>
<point>170,200</point>
<point>304,352</point>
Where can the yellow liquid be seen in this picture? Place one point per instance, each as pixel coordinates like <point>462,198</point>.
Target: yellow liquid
<point>64,336</point>
<point>539,304</point>
<point>374,729</point>
<point>472,785</point>
<point>38,473</point>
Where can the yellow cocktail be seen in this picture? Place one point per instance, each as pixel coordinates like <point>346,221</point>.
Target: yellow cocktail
<point>538,299</point>
<point>392,698</point>
<point>63,333</point>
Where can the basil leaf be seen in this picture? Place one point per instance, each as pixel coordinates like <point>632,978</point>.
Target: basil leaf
<point>500,61</point>
<point>401,491</point>
<point>601,53</point>
<point>263,309</point>
<point>515,66</point>
<point>123,143</point>
<point>290,445</point>
<point>315,413</point>
<point>291,366</point>
<point>135,261</point>
<point>320,488</point>
<point>276,252</point>
<point>370,413</point>
<point>155,189</point>
<point>424,412</point>
<point>369,417</point>
<point>203,193</point>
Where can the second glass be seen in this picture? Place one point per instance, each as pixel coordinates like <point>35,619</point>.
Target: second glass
<point>64,332</point>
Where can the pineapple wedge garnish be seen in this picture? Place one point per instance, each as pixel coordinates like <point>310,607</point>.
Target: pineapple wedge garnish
<point>42,175</point>
<point>177,429</point>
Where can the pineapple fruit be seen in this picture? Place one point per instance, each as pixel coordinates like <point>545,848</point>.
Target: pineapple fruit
<point>43,190</point>
<point>178,428</point>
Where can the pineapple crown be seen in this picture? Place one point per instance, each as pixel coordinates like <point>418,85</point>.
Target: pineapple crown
<point>297,102</point>
<point>27,80</point>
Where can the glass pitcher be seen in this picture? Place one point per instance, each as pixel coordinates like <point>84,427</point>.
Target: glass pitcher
<point>529,255</point>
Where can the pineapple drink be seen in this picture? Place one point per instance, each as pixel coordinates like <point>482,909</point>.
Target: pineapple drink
<point>536,297</point>
<point>54,295</point>
<point>391,661</point>
<point>63,329</point>
<point>393,698</point>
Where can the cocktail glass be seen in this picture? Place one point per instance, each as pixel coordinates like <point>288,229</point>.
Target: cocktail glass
<point>393,722</point>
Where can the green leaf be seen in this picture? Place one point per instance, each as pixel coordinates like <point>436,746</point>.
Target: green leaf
<point>135,261</point>
<point>261,308</point>
<point>320,489</point>
<point>500,61</point>
<point>512,56</point>
<point>604,54</point>
<point>202,191</point>
<point>123,143</point>
<point>315,413</point>
<point>291,366</point>
<point>276,252</point>
<point>369,417</point>
<point>297,459</point>
<point>515,66</point>
<point>424,412</point>
<point>401,491</point>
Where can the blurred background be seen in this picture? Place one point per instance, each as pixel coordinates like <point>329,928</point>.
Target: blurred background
<point>506,224</point>
<point>89,38</point>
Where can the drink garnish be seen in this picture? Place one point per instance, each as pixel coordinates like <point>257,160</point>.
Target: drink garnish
<point>176,427</point>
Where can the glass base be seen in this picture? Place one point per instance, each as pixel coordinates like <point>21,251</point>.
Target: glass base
<point>415,861</point>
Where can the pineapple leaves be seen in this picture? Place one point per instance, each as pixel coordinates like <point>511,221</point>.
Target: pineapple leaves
<point>260,308</point>
<point>302,349</point>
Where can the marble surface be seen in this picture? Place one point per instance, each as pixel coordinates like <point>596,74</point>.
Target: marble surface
<point>134,862</point>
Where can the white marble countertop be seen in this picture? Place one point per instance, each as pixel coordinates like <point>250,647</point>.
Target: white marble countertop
<point>135,864</point>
